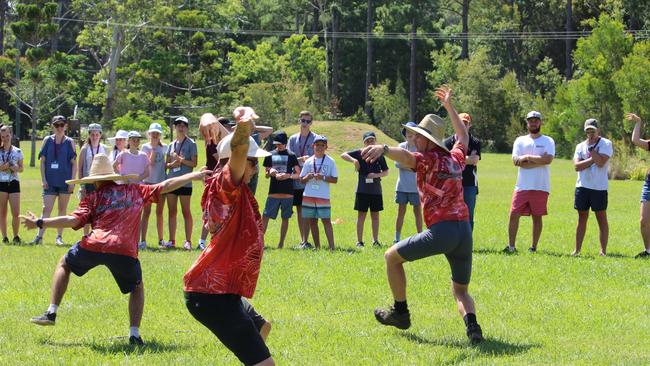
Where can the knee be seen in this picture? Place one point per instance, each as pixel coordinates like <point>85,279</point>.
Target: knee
<point>392,257</point>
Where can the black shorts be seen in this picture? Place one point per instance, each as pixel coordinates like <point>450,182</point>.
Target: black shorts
<point>364,201</point>
<point>297,197</point>
<point>586,198</point>
<point>226,317</point>
<point>126,270</point>
<point>183,191</point>
<point>10,187</point>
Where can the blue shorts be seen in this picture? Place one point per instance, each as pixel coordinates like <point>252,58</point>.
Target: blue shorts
<point>310,212</point>
<point>55,191</point>
<point>586,198</point>
<point>126,270</point>
<point>273,205</point>
<point>645,192</point>
<point>402,198</point>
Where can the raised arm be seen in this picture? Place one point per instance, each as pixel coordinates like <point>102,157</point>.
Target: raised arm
<point>211,129</point>
<point>636,133</point>
<point>239,144</point>
<point>443,94</point>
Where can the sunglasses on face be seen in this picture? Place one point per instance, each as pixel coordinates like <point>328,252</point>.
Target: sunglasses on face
<point>59,125</point>
<point>305,121</point>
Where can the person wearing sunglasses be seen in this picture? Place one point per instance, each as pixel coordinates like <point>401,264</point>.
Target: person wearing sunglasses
<point>58,158</point>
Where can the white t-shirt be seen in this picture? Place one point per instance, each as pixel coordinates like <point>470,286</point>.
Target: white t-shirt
<point>539,178</point>
<point>593,177</point>
<point>325,166</point>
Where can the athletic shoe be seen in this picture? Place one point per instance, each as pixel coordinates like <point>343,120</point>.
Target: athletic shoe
<point>360,244</point>
<point>376,243</point>
<point>643,255</point>
<point>17,240</point>
<point>306,245</point>
<point>474,333</point>
<point>161,243</point>
<point>45,319</point>
<point>37,240</point>
<point>391,317</point>
<point>201,246</point>
<point>532,250</point>
<point>169,244</point>
<point>136,341</point>
<point>509,250</point>
<point>142,245</point>
<point>5,240</point>
<point>59,240</point>
<point>187,245</point>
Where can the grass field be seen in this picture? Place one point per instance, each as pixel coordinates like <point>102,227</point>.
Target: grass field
<point>544,308</point>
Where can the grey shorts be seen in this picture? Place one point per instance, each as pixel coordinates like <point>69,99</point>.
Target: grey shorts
<point>451,238</point>
<point>402,198</point>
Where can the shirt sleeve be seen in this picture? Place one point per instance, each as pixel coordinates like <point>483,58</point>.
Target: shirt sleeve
<point>334,173</point>
<point>356,154</point>
<point>551,147</point>
<point>84,212</point>
<point>516,148</point>
<point>193,150</point>
<point>290,145</point>
<point>382,164</point>
<point>477,148</point>
<point>293,162</point>
<point>423,163</point>
<point>150,192</point>
<point>306,168</point>
<point>607,149</point>
<point>268,163</point>
<point>459,151</point>
<point>576,154</point>
<point>44,147</point>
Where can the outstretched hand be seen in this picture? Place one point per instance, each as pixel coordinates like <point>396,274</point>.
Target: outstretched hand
<point>29,220</point>
<point>209,128</point>
<point>632,117</point>
<point>371,153</point>
<point>444,93</point>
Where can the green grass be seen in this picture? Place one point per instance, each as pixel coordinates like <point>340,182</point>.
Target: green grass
<point>546,308</point>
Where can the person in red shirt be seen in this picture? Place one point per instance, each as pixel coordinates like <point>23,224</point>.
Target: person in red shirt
<point>228,268</point>
<point>114,212</point>
<point>439,180</point>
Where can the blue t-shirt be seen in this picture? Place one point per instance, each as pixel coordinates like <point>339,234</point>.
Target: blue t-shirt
<point>187,149</point>
<point>58,160</point>
<point>406,179</point>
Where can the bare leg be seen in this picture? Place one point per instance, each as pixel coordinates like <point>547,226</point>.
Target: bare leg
<point>581,228</point>
<point>187,216</point>
<point>417,211</point>
<point>63,208</point>
<point>172,203</point>
<point>60,281</point>
<point>48,204</point>
<point>313,224</point>
<point>464,301</point>
<point>144,223</point>
<point>4,200</point>
<point>329,232</point>
<point>14,202</point>
<point>265,223</point>
<point>283,232</point>
<point>136,305</point>
<point>267,362</point>
<point>160,206</point>
<point>374,217</point>
<point>303,225</point>
<point>399,222</point>
<point>513,227</point>
<point>537,230</point>
<point>361,220</point>
<point>395,273</point>
<point>603,226</point>
<point>645,224</point>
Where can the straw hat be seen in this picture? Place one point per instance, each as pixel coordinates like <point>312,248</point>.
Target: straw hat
<point>433,128</point>
<point>101,170</point>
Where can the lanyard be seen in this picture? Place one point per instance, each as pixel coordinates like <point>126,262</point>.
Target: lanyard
<point>304,145</point>
<point>181,148</point>
<point>6,155</point>
<point>93,153</point>
<point>317,168</point>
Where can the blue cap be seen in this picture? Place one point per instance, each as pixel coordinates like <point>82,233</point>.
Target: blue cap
<point>319,138</point>
<point>408,124</point>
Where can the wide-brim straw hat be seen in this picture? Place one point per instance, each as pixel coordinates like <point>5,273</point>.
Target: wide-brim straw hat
<point>101,170</point>
<point>433,128</point>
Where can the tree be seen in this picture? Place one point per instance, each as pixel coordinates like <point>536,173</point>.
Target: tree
<point>370,24</point>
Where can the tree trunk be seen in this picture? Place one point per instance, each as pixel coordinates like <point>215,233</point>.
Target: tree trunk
<point>369,27</point>
<point>464,54</point>
<point>54,44</point>
<point>118,44</point>
<point>3,18</point>
<point>327,61</point>
<point>412,65</point>
<point>34,115</point>
<point>315,22</point>
<point>568,44</point>
<point>335,53</point>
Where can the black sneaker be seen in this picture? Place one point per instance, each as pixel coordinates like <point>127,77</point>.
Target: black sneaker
<point>532,250</point>
<point>136,341</point>
<point>643,255</point>
<point>45,319</point>
<point>391,317</point>
<point>37,240</point>
<point>376,243</point>
<point>509,250</point>
<point>5,240</point>
<point>360,244</point>
<point>17,240</point>
<point>474,333</point>
<point>306,245</point>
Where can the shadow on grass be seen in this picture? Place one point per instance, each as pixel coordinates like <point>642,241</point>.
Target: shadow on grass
<point>490,346</point>
<point>322,249</point>
<point>546,253</point>
<point>119,345</point>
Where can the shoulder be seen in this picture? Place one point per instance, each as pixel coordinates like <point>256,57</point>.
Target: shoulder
<point>330,159</point>
<point>581,145</point>
<point>403,145</point>
<point>606,141</point>
<point>548,139</point>
<point>192,142</point>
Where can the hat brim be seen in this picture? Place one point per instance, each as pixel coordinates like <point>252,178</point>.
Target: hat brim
<point>590,128</point>
<point>150,131</point>
<point>426,134</point>
<point>98,178</point>
<point>260,153</point>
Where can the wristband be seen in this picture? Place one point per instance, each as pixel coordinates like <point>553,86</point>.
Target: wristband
<point>385,149</point>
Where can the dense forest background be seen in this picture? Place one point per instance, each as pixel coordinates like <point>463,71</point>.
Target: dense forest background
<point>127,63</point>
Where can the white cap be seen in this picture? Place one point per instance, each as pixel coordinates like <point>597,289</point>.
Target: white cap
<point>254,151</point>
<point>155,127</point>
<point>533,114</point>
<point>120,134</point>
<point>134,134</point>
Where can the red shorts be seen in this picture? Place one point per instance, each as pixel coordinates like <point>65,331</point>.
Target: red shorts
<point>528,203</point>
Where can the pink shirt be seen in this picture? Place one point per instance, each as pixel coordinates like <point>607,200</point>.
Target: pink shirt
<point>132,164</point>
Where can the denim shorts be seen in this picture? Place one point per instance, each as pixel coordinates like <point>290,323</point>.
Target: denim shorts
<point>402,198</point>
<point>55,191</point>
<point>310,212</point>
<point>273,205</point>
<point>645,192</point>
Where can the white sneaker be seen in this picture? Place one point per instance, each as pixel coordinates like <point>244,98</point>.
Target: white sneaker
<point>142,245</point>
<point>201,245</point>
<point>59,240</point>
<point>187,245</point>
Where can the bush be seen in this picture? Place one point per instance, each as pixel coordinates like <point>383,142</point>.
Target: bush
<point>625,164</point>
<point>135,121</point>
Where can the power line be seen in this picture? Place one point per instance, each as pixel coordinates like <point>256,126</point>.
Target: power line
<point>488,36</point>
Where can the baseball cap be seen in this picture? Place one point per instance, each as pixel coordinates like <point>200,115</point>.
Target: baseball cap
<point>408,124</point>
<point>591,123</point>
<point>59,118</point>
<point>533,114</point>
<point>94,127</point>
<point>319,138</point>
<point>280,138</point>
<point>134,134</point>
<point>369,135</point>
<point>180,119</point>
<point>155,127</point>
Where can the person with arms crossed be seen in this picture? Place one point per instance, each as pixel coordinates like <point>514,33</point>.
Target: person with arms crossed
<point>406,189</point>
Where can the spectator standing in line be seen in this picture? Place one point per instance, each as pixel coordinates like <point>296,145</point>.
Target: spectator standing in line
<point>301,144</point>
<point>119,144</point>
<point>406,189</point>
<point>58,158</point>
<point>470,179</point>
<point>92,147</point>
<point>132,161</point>
<point>368,195</point>
<point>155,151</point>
<point>532,154</point>
<point>591,161</point>
<point>11,163</point>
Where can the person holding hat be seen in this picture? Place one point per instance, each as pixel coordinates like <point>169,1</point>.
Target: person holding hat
<point>282,168</point>
<point>58,157</point>
<point>645,191</point>
<point>368,195</point>
<point>114,212</point>
<point>11,163</point>
<point>181,159</point>
<point>119,144</point>
<point>91,147</point>
<point>532,154</point>
<point>318,172</point>
<point>228,269</point>
<point>155,151</point>
<point>406,189</point>
<point>439,179</point>
<point>470,180</point>
<point>591,161</point>
<point>132,161</point>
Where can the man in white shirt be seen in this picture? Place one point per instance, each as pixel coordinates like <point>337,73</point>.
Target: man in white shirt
<point>591,161</point>
<point>532,154</point>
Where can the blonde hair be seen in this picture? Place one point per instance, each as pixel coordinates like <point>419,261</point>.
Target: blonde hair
<point>5,128</point>
<point>305,113</point>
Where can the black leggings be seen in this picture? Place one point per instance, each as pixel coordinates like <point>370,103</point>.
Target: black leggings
<point>234,321</point>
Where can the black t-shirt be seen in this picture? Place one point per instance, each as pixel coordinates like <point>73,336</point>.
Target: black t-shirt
<point>470,178</point>
<point>283,162</point>
<point>364,168</point>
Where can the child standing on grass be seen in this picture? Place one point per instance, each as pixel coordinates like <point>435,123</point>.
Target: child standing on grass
<point>155,151</point>
<point>406,190</point>
<point>119,144</point>
<point>11,163</point>
<point>317,174</point>
<point>133,161</point>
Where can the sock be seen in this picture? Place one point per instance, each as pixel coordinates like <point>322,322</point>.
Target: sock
<point>469,318</point>
<point>401,307</point>
<point>397,235</point>
<point>202,241</point>
<point>134,332</point>
<point>52,308</point>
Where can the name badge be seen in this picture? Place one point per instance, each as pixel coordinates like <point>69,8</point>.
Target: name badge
<point>176,170</point>
<point>54,165</point>
<point>315,187</point>
<point>370,180</point>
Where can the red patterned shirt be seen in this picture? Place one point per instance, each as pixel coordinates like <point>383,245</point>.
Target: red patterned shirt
<point>439,178</point>
<point>114,212</point>
<point>231,262</point>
